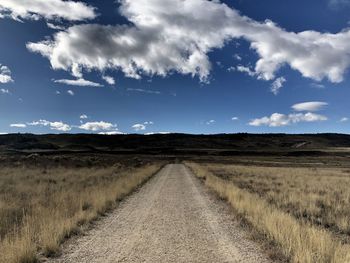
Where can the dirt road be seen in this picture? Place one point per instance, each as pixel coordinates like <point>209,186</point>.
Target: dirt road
<point>172,218</point>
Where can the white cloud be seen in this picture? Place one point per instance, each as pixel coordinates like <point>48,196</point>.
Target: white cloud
<point>70,92</point>
<point>235,118</point>
<point>56,125</point>
<point>247,70</point>
<point>309,106</point>
<point>278,119</point>
<point>139,127</point>
<point>18,125</point>
<point>4,91</point>
<point>167,36</point>
<point>111,133</point>
<point>237,57</point>
<point>47,9</point>
<point>83,117</point>
<point>78,82</point>
<point>210,122</point>
<point>145,91</point>
<point>153,133</point>
<point>231,69</point>
<point>57,92</point>
<point>98,126</point>
<point>344,119</point>
<point>59,126</point>
<point>142,126</point>
<point>109,80</point>
<point>277,85</point>
<point>5,74</point>
<point>317,85</point>
<point>55,27</point>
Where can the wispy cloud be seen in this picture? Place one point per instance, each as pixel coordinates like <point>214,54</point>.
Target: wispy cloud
<point>111,133</point>
<point>310,106</point>
<point>78,82</point>
<point>336,4</point>
<point>138,127</point>
<point>344,119</point>
<point>70,92</point>
<point>277,85</point>
<point>317,85</point>
<point>18,125</point>
<point>245,69</point>
<point>144,91</point>
<point>4,91</point>
<point>210,122</point>
<point>142,126</point>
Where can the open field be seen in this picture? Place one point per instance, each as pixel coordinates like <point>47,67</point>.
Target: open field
<point>41,206</point>
<point>304,211</point>
<point>292,191</point>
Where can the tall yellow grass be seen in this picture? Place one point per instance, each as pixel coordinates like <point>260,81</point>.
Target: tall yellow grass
<point>40,209</point>
<point>320,196</point>
<point>297,240</point>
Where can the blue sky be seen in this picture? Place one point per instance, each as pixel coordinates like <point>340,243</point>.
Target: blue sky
<point>193,66</point>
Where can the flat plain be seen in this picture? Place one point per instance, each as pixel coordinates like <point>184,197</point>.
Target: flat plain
<point>174,198</point>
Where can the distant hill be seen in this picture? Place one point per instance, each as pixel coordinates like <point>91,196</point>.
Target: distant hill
<point>225,144</point>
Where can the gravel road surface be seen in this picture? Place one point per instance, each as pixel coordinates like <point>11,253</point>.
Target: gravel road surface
<point>172,218</point>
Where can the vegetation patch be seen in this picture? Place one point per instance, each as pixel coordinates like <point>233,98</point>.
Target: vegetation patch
<point>298,240</point>
<point>40,208</point>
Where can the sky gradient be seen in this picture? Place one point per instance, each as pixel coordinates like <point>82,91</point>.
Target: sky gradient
<point>194,66</point>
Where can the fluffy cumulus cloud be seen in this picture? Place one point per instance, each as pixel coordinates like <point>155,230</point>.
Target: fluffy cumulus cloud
<point>166,36</point>
<point>309,106</point>
<point>5,74</point>
<point>78,82</point>
<point>278,119</point>
<point>98,126</point>
<point>277,85</point>
<point>47,9</point>
<point>55,125</point>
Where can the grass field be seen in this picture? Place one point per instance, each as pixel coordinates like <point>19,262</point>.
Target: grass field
<point>304,211</point>
<point>41,207</point>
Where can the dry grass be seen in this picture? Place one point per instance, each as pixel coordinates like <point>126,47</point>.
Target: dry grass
<point>40,208</point>
<point>297,239</point>
<point>318,196</point>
